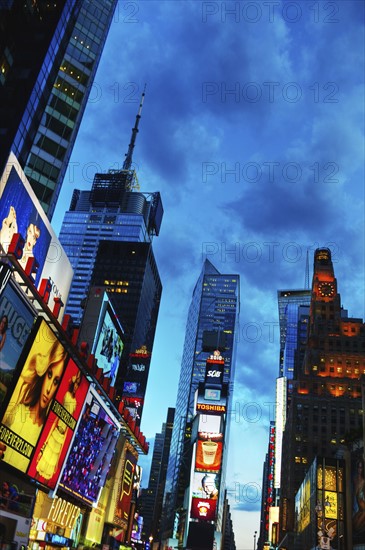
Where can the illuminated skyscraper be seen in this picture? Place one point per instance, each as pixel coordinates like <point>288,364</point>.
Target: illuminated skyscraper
<point>214,309</point>
<point>325,403</point>
<point>49,53</point>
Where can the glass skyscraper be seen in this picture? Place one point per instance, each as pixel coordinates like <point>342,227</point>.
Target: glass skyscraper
<point>109,212</point>
<point>214,307</point>
<point>289,302</point>
<point>49,53</point>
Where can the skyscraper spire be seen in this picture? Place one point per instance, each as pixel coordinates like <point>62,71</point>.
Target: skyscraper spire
<point>128,157</point>
<point>306,279</point>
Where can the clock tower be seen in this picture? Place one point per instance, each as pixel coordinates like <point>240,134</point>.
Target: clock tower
<point>324,282</point>
<point>326,403</point>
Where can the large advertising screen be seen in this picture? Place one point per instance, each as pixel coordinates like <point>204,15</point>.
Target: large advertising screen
<point>21,214</point>
<point>88,462</point>
<point>108,344</point>
<point>16,321</point>
<point>32,398</point>
<point>209,452</point>
<point>135,382</point>
<point>60,426</point>
<point>125,493</point>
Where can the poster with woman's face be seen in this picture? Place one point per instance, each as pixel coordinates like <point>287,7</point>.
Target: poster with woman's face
<point>32,398</point>
<point>59,428</point>
<point>16,321</point>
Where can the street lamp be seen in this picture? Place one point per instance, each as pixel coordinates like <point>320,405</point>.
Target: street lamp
<point>254,540</point>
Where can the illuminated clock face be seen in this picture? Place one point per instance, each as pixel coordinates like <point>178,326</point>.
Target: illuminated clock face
<point>326,289</point>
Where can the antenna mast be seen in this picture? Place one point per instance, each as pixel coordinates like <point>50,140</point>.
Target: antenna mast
<point>128,157</point>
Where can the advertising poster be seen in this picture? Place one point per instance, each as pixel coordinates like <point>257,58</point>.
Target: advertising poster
<point>92,450</point>
<point>123,503</point>
<point>60,426</point>
<point>21,213</point>
<point>209,452</point>
<point>16,321</point>
<point>203,509</point>
<point>214,370</point>
<point>108,346</point>
<point>32,398</point>
<point>135,383</point>
<point>358,499</point>
<point>205,485</point>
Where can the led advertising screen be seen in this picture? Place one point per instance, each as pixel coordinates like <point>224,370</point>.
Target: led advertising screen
<point>32,398</point>
<point>60,426</point>
<point>135,383</point>
<point>21,214</point>
<point>108,344</point>
<point>214,371</point>
<point>123,503</point>
<point>134,405</point>
<point>16,321</point>
<point>209,452</point>
<point>204,496</point>
<point>92,450</point>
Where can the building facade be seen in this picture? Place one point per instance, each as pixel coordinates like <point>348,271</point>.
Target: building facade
<point>110,211</point>
<point>214,308</point>
<point>325,405</point>
<point>46,82</point>
<point>152,497</point>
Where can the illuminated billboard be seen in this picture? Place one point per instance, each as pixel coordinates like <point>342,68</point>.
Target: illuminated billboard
<point>33,395</point>
<point>108,344</point>
<point>129,460</point>
<point>60,426</point>
<point>203,509</point>
<point>135,382</point>
<point>214,370</point>
<point>16,321</point>
<point>92,450</point>
<point>23,221</point>
<point>209,452</point>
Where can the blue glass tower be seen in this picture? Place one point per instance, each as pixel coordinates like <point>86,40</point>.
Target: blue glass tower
<point>49,54</point>
<point>214,307</point>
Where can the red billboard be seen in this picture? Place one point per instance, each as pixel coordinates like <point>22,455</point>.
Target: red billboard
<point>203,509</point>
<point>32,399</point>
<point>60,426</point>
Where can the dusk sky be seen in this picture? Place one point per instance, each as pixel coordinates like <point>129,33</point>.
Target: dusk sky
<point>253,131</point>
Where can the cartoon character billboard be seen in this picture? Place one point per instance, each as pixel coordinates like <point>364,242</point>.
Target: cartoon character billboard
<point>22,218</point>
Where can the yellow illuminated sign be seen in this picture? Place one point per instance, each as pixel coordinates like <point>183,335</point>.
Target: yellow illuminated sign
<point>330,504</point>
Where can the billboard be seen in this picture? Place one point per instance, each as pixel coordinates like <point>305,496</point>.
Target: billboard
<point>214,370</point>
<point>41,253</point>
<point>108,344</point>
<point>123,503</point>
<point>16,321</point>
<point>209,452</point>
<point>135,382</point>
<point>92,450</point>
<point>33,395</point>
<point>60,426</point>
